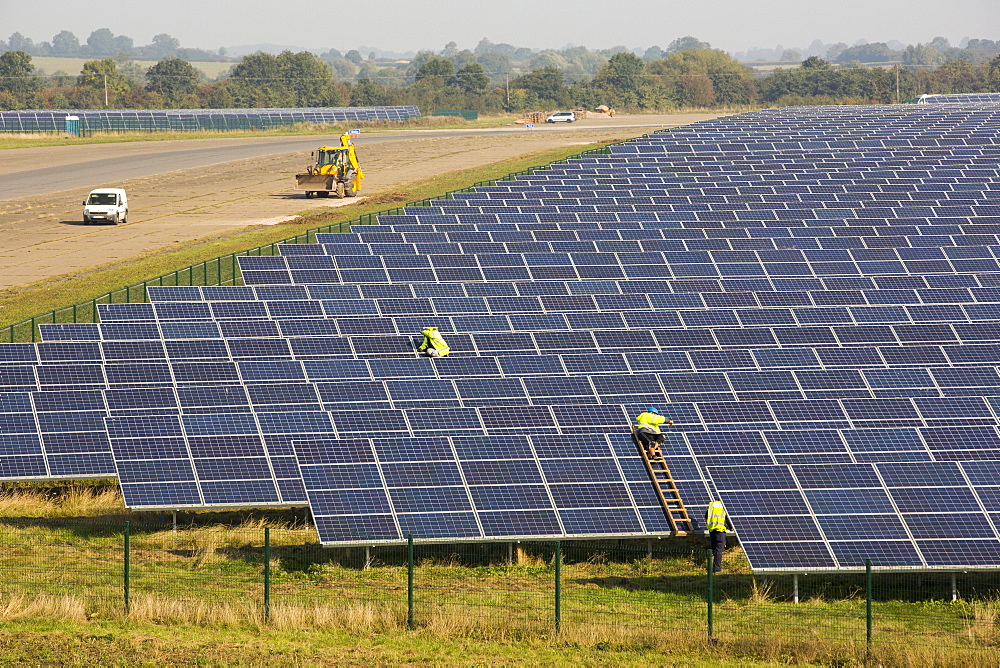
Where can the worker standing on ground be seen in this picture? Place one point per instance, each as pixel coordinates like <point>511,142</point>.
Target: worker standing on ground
<point>433,345</point>
<point>647,427</point>
<point>715,522</point>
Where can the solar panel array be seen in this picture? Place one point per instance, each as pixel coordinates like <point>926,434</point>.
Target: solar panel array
<point>963,98</point>
<point>124,120</point>
<point>801,289</point>
<point>931,514</point>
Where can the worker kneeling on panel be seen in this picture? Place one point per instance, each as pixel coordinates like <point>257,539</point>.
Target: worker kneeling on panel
<point>433,345</point>
<point>647,427</point>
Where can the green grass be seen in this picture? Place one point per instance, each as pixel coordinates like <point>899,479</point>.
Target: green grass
<point>15,140</point>
<point>201,589</point>
<point>197,596</point>
<point>23,302</point>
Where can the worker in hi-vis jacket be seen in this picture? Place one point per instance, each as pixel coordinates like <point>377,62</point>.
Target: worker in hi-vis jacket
<point>433,345</point>
<point>647,426</point>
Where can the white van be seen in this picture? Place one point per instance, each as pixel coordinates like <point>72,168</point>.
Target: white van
<point>110,204</point>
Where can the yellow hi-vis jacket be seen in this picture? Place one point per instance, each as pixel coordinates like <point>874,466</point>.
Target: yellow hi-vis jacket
<point>715,516</point>
<point>432,339</point>
<point>649,422</point>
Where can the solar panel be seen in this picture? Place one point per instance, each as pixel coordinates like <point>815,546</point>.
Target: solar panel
<point>194,119</point>
<point>381,491</point>
<point>925,515</point>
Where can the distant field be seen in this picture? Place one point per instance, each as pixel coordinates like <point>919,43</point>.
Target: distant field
<point>53,64</point>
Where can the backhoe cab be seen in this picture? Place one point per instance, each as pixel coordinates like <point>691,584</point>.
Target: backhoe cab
<point>336,171</point>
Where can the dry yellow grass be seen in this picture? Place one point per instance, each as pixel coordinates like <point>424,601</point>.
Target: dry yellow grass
<point>42,606</point>
<point>71,501</point>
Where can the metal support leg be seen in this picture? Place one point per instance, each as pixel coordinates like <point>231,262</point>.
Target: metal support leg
<point>368,557</point>
<point>954,588</point>
<point>175,521</point>
<point>649,548</point>
<point>795,588</point>
<point>510,554</point>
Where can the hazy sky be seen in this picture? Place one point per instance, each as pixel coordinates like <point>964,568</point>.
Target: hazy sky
<point>402,25</point>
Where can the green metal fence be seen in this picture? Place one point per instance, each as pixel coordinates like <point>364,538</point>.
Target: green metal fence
<point>224,270</point>
<point>624,593</point>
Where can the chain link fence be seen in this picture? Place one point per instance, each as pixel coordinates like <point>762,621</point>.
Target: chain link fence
<point>610,593</point>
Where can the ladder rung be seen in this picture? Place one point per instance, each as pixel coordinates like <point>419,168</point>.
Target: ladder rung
<point>666,487</point>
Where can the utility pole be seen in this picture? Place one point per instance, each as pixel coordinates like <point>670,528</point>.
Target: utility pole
<point>507,78</point>
<point>897,83</point>
<point>105,91</point>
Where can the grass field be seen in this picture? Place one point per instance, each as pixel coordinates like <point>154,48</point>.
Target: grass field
<point>197,596</point>
<point>69,65</point>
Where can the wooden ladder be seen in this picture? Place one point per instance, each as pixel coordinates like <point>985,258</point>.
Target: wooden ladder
<point>665,487</point>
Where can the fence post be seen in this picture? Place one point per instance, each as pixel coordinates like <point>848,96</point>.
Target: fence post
<point>267,574</point>
<point>711,593</point>
<point>126,573</point>
<point>558,586</point>
<point>868,604</point>
<point>409,581</point>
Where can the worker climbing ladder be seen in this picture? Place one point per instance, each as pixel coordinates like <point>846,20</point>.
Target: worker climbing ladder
<point>665,487</point>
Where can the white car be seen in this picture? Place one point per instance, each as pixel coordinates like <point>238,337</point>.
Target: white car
<point>561,117</point>
<point>109,204</point>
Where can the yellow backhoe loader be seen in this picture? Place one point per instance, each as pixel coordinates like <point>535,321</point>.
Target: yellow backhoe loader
<point>336,171</point>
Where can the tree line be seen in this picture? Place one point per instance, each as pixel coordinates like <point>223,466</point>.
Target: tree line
<point>698,77</point>
<point>104,43</point>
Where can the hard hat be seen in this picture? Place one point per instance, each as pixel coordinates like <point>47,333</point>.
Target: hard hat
<point>653,410</point>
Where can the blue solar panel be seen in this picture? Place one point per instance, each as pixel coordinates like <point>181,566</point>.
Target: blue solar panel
<point>900,514</point>
<point>498,488</point>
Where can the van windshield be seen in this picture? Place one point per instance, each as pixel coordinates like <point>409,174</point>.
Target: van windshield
<point>103,199</point>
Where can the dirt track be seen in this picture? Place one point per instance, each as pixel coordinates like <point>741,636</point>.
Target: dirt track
<point>42,236</point>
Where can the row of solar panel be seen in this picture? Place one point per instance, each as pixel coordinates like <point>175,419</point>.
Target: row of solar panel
<point>849,291</point>
<point>626,233</point>
<point>704,235</point>
<point>953,98</point>
<point>897,171</point>
<point>605,266</point>
<point>698,216</point>
<point>435,488</point>
<point>853,209</point>
<point>874,345</point>
<point>440,300</point>
<point>832,517</point>
<point>193,119</point>
<point>738,180</point>
<point>901,260</point>
<point>75,411</point>
<point>528,313</point>
<point>865,249</point>
<point>403,391</point>
<point>697,402</point>
<point>61,432</point>
<point>631,227</point>
<point>696,278</point>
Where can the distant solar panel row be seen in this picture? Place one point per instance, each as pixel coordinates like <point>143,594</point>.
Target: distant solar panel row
<point>963,98</point>
<point>193,119</point>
